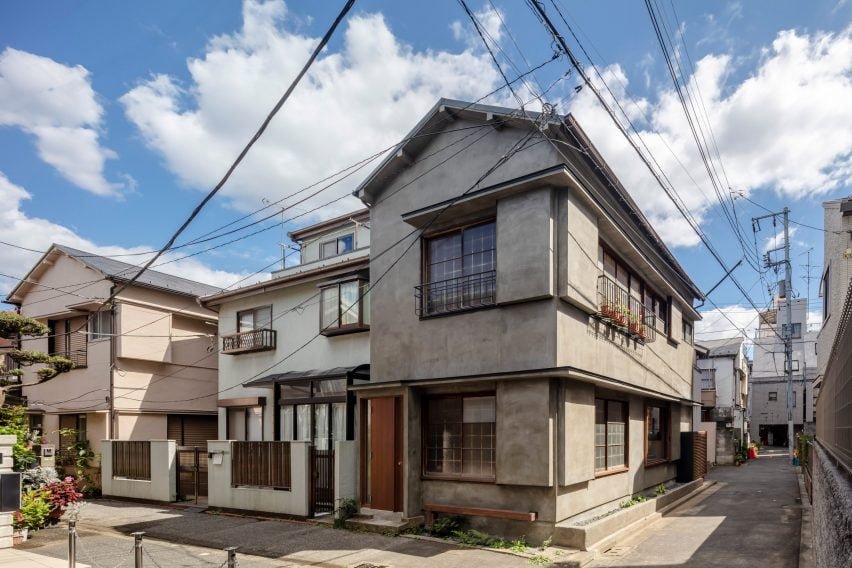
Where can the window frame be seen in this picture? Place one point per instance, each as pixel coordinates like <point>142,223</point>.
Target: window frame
<point>254,318</point>
<point>626,412</point>
<point>426,270</point>
<point>665,427</point>
<point>336,241</point>
<point>649,300</point>
<point>97,322</point>
<point>246,419</point>
<point>363,323</point>
<point>424,438</point>
<point>690,338</point>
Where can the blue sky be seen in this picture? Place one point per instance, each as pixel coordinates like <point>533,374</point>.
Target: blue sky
<point>115,117</point>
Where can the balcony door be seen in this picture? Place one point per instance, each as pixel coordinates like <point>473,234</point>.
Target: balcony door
<point>383,448</point>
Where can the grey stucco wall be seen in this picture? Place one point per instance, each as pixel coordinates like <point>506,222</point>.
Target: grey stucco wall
<point>832,502</point>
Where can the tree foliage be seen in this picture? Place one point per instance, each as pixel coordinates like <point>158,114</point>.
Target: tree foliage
<point>13,324</point>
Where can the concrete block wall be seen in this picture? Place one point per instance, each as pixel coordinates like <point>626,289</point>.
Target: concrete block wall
<point>832,503</point>
<point>345,471</point>
<point>163,483</point>
<point>294,501</point>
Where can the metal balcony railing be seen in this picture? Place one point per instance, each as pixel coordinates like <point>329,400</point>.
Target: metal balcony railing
<point>456,294</point>
<point>708,379</point>
<point>77,356</point>
<point>249,341</point>
<point>621,310</point>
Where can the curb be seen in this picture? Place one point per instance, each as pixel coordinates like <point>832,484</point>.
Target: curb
<point>806,537</point>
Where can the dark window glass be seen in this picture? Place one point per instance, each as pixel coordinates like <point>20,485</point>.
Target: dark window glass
<point>657,434</point>
<point>460,437</point>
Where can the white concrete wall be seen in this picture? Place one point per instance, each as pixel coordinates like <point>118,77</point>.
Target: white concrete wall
<point>6,443</point>
<point>345,471</point>
<point>292,502</point>
<point>163,483</point>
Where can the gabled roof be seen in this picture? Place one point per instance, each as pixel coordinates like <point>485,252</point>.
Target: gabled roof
<point>119,271</point>
<point>726,347</point>
<point>564,128</point>
<point>359,216</point>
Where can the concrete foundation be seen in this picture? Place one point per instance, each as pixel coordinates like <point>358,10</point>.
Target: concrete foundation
<point>832,508</point>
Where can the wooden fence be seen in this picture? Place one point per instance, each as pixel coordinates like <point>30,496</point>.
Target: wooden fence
<point>131,459</point>
<point>260,464</point>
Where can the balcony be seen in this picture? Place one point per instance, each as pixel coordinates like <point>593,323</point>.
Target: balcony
<point>708,388</point>
<point>77,356</point>
<point>456,294</point>
<point>624,312</point>
<point>249,341</point>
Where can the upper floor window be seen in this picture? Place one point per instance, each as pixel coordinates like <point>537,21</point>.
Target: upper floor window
<point>255,318</point>
<point>627,300</point>
<point>344,306</point>
<point>826,298</point>
<point>795,330</point>
<point>773,395</point>
<point>687,332</point>
<point>460,270</point>
<point>340,245</point>
<point>100,325</point>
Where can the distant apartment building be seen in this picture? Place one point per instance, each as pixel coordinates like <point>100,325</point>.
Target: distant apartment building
<point>769,379</point>
<point>724,376</point>
<point>145,364</point>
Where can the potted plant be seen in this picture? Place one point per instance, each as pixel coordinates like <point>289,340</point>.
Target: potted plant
<point>34,511</point>
<point>20,530</point>
<point>606,310</point>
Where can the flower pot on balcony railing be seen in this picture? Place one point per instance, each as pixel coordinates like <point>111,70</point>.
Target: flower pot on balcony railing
<point>637,329</point>
<point>606,311</point>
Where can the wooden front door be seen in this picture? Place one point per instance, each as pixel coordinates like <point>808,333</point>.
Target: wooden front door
<point>385,453</point>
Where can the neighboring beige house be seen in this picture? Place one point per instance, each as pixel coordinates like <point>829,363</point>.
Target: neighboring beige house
<point>531,352</point>
<point>145,365</point>
<point>724,394</point>
<point>290,348</point>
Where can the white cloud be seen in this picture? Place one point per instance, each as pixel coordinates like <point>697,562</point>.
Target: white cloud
<point>17,228</point>
<point>56,104</point>
<point>717,323</point>
<point>489,20</point>
<point>787,127</point>
<point>353,102</point>
<point>777,240</point>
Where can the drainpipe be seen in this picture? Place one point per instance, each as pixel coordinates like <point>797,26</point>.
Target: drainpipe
<point>111,407</point>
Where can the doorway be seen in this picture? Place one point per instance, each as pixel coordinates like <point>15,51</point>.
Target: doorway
<point>382,452</point>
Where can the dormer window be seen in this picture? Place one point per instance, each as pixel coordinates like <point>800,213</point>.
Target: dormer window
<point>340,245</point>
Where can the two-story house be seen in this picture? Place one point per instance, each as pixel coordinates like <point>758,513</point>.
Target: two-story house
<point>145,365</point>
<point>769,377</point>
<point>291,347</point>
<point>531,342</point>
<point>724,394</point>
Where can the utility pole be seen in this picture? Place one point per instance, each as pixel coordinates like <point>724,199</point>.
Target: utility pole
<point>786,329</point>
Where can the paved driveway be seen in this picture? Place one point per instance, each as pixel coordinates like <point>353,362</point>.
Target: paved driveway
<point>181,538</point>
<point>751,518</point>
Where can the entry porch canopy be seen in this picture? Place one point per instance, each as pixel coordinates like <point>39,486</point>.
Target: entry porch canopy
<point>353,375</point>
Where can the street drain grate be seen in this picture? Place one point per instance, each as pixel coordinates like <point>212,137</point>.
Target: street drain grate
<point>615,551</point>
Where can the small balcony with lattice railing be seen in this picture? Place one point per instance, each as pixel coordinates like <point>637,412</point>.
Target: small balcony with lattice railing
<point>249,341</point>
<point>619,309</point>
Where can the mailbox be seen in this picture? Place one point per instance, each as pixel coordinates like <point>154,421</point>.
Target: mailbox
<point>47,455</point>
<point>10,492</point>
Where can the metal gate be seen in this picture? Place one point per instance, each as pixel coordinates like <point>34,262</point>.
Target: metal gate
<point>322,481</point>
<point>191,472</point>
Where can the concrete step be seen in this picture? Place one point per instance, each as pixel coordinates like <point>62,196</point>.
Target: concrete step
<point>381,525</point>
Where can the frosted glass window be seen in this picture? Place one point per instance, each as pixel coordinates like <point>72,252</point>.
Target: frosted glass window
<point>287,416</point>
<point>236,424</point>
<point>349,303</point>
<point>321,426</point>
<point>303,422</point>
<point>610,434</point>
<point>254,423</point>
<point>479,409</point>
<point>330,301</point>
<point>338,421</point>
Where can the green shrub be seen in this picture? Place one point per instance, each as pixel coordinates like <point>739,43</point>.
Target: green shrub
<point>35,508</point>
<point>347,509</point>
<point>661,489</point>
<point>473,537</point>
<point>635,500</point>
<point>447,526</point>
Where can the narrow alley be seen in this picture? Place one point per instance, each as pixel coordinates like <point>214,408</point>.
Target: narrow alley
<point>751,517</point>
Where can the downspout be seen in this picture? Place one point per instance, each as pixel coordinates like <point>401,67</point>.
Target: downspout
<point>112,336</point>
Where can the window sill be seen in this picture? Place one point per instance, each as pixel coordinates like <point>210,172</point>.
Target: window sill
<point>609,472</point>
<point>656,462</point>
<point>345,330</point>
<point>434,477</point>
<point>457,312</point>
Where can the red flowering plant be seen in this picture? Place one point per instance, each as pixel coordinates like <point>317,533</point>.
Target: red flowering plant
<point>63,493</point>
